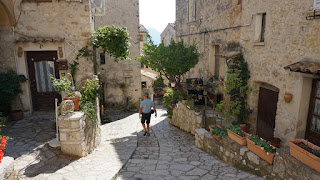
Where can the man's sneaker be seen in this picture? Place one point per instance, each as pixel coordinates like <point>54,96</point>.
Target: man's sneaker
<point>145,133</point>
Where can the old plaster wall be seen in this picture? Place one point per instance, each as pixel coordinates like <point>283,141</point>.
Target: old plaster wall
<point>122,14</point>
<point>289,38</point>
<point>69,21</point>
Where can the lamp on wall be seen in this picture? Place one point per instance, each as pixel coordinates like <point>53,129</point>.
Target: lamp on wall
<point>20,51</point>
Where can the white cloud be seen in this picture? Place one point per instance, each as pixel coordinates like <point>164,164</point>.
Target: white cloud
<point>157,13</point>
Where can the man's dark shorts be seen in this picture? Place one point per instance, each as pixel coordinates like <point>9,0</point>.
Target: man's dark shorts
<point>146,118</point>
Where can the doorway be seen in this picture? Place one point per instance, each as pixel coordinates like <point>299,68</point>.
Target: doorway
<point>40,65</point>
<point>313,123</point>
<point>267,110</point>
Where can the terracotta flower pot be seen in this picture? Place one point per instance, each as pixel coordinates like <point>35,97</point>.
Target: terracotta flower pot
<point>172,106</point>
<point>260,152</point>
<point>184,101</point>
<point>75,102</point>
<point>275,142</point>
<point>16,115</point>
<point>304,156</point>
<point>245,127</point>
<point>287,97</point>
<point>215,136</point>
<point>238,139</point>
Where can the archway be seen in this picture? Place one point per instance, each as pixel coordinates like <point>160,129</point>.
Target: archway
<point>6,18</point>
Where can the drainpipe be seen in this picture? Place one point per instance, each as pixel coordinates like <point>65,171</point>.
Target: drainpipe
<point>14,50</point>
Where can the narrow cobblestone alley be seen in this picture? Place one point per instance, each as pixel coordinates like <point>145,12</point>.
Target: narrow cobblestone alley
<point>170,153</point>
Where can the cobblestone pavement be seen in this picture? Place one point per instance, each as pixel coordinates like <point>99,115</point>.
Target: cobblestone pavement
<point>34,159</point>
<point>170,153</point>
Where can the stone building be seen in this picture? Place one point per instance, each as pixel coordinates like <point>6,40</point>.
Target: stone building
<point>38,38</point>
<point>271,35</point>
<point>168,33</point>
<point>113,74</point>
<point>147,75</point>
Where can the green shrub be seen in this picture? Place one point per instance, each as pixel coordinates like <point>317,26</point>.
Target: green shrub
<point>10,88</point>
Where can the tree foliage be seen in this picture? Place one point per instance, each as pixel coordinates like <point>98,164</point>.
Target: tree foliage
<point>113,40</point>
<point>171,61</point>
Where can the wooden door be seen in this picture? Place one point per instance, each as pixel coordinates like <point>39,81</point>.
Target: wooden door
<point>313,123</point>
<point>267,110</point>
<point>40,65</point>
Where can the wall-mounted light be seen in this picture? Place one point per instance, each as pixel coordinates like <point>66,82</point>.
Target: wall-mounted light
<point>20,51</point>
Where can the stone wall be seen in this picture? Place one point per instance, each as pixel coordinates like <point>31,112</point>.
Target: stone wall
<point>78,135</point>
<point>284,165</point>
<point>185,119</point>
<point>123,13</point>
<point>289,38</point>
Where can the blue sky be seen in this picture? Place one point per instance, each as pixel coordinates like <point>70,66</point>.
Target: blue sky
<point>157,13</point>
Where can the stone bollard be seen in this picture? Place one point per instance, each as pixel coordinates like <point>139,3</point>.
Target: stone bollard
<point>72,134</point>
<point>78,136</point>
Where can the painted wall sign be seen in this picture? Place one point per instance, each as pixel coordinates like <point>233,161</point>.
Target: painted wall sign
<point>316,5</point>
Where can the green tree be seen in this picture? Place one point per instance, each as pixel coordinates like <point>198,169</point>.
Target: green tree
<point>171,61</point>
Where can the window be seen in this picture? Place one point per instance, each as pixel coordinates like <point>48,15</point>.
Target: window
<point>141,37</point>
<point>313,122</point>
<point>214,61</point>
<point>191,10</point>
<point>144,84</point>
<point>145,38</point>
<point>263,27</point>
<point>260,28</point>
<point>102,58</point>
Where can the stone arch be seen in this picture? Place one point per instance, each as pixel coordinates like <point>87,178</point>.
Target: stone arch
<point>6,17</point>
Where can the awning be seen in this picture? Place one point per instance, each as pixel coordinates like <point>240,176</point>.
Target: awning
<point>38,39</point>
<point>149,74</point>
<point>305,67</point>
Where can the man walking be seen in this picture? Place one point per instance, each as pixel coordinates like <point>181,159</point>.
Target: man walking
<point>145,110</point>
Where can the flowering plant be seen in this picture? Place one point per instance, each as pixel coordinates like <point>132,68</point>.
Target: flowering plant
<point>263,144</point>
<point>2,146</point>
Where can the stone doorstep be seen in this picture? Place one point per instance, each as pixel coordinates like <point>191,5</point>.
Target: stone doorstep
<point>253,162</point>
<point>6,167</point>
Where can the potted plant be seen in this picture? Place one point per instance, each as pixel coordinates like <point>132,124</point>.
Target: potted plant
<point>64,85</point>
<point>190,105</point>
<point>10,88</point>
<point>261,148</point>
<point>122,86</point>
<point>245,127</point>
<point>235,133</point>
<point>218,132</point>
<point>306,152</point>
<point>275,142</point>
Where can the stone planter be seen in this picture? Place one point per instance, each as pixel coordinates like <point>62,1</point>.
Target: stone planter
<point>75,101</point>
<point>238,139</point>
<point>260,152</point>
<point>303,155</point>
<point>215,137</point>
